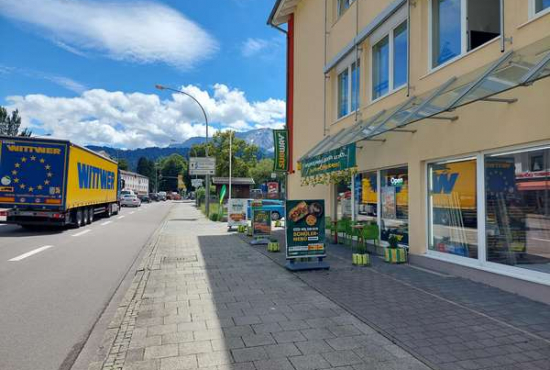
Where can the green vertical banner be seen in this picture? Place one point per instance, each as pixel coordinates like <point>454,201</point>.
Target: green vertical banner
<point>222,193</point>
<point>280,141</point>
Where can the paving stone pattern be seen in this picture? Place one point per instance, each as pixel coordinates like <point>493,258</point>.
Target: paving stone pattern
<point>213,302</point>
<point>448,322</point>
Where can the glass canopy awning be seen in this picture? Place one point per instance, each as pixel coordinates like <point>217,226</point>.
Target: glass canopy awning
<point>515,68</point>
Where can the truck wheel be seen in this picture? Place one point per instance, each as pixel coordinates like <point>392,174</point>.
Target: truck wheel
<point>85,216</point>
<point>78,218</point>
<point>91,215</point>
<point>109,212</point>
<point>275,216</point>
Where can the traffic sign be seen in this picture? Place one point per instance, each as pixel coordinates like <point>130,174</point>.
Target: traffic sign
<point>202,166</point>
<point>197,183</point>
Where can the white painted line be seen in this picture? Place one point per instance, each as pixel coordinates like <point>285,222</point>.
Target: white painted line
<point>541,240</point>
<point>119,217</point>
<point>82,232</point>
<point>28,254</point>
<point>131,213</point>
<point>106,223</point>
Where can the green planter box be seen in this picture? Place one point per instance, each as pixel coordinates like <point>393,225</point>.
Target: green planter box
<point>273,247</point>
<point>395,255</point>
<point>360,259</point>
<point>249,230</point>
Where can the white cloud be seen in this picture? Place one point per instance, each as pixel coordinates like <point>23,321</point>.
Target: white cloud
<point>67,83</point>
<point>131,120</point>
<point>254,46</point>
<point>144,32</point>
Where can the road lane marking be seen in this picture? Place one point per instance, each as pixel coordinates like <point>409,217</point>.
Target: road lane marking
<point>28,254</point>
<point>82,232</point>
<point>131,213</point>
<point>541,240</point>
<point>119,217</point>
<point>106,223</point>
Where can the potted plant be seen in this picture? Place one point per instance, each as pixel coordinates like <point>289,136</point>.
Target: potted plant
<point>278,223</point>
<point>394,253</point>
<point>249,230</point>
<point>273,245</point>
<point>361,258</point>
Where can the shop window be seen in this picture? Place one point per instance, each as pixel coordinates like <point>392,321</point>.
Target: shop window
<point>389,62</point>
<point>394,204</point>
<point>518,208</point>
<point>453,207</point>
<point>458,26</point>
<point>348,89</point>
<point>343,5</point>
<point>366,197</point>
<point>343,200</point>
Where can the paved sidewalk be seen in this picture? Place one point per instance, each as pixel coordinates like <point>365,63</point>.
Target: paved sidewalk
<point>448,322</point>
<point>206,299</point>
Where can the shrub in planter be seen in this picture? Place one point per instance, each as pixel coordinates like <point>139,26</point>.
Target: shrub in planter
<point>278,223</point>
<point>249,230</point>
<point>361,258</point>
<point>273,245</point>
<point>394,253</point>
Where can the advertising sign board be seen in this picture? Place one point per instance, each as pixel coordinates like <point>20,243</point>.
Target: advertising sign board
<point>202,166</point>
<point>236,211</point>
<point>197,183</point>
<point>272,189</point>
<point>305,228</point>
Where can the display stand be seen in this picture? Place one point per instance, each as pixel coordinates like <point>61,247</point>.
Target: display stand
<point>260,240</point>
<point>292,265</point>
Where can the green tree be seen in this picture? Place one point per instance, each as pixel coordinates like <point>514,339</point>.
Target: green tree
<point>262,171</point>
<point>123,164</point>
<point>170,168</point>
<point>244,156</point>
<point>146,167</point>
<point>9,124</point>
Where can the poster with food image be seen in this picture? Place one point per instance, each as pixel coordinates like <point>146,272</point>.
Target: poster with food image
<point>305,228</point>
<point>236,210</point>
<point>261,222</point>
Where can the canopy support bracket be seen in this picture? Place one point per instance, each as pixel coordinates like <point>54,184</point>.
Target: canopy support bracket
<point>501,100</point>
<point>379,140</point>
<point>403,130</point>
<point>452,119</point>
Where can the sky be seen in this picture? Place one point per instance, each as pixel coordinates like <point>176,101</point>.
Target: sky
<point>85,70</point>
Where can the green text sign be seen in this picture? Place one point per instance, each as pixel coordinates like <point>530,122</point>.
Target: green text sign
<point>334,160</point>
<point>280,141</point>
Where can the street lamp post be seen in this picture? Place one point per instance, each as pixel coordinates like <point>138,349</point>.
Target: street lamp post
<point>207,180</point>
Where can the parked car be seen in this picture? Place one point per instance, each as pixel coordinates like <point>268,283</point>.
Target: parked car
<point>277,208</point>
<point>256,194</point>
<point>126,192</point>
<point>145,198</point>
<point>154,197</point>
<point>130,200</point>
<point>162,195</point>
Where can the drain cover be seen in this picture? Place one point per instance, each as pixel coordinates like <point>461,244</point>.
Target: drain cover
<point>183,259</point>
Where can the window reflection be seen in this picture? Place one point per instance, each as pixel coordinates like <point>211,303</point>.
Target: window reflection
<point>453,207</point>
<point>366,197</point>
<point>517,188</point>
<point>446,35</point>
<point>380,68</point>
<point>343,200</point>
<point>541,5</point>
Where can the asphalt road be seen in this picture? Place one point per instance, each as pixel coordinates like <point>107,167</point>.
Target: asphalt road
<point>54,285</point>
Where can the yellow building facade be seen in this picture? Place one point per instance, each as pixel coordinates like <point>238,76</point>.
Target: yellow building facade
<point>447,105</point>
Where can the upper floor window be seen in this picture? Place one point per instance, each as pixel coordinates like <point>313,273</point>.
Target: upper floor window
<point>389,62</point>
<point>343,5</point>
<point>458,26</point>
<point>539,6</point>
<point>348,89</point>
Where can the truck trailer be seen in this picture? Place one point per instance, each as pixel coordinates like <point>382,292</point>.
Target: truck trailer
<point>55,182</point>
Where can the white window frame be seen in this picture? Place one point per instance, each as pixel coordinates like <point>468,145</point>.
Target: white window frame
<point>387,29</point>
<point>481,262</point>
<point>463,35</point>
<point>346,66</point>
<point>532,10</point>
